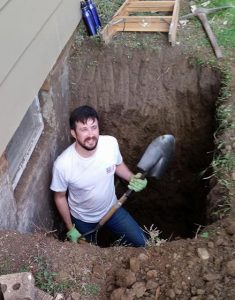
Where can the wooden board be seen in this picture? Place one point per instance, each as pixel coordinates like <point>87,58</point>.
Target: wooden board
<point>126,20</point>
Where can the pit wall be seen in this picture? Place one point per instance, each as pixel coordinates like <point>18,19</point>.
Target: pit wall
<point>31,205</point>
<point>140,95</point>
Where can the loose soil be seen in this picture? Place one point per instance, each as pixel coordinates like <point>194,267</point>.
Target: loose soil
<point>199,268</point>
<point>142,93</point>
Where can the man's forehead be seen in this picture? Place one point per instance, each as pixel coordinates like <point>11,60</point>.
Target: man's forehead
<point>88,122</point>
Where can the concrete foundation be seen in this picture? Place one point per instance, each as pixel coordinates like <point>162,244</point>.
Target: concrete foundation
<point>8,206</point>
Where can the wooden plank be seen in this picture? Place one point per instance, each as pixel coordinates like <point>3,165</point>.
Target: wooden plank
<point>154,27</point>
<point>150,6</point>
<point>174,23</point>
<point>108,32</point>
<point>148,23</point>
<point>122,21</point>
<point>136,23</point>
<point>139,19</point>
<point>122,10</point>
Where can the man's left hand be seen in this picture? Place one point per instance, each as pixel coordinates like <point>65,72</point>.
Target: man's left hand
<point>136,183</point>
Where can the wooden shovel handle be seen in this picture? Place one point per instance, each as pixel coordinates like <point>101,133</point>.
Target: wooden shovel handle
<point>118,204</point>
<point>114,208</point>
<point>203,18</point>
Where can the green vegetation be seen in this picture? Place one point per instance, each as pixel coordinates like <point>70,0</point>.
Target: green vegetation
<point>48,280</point>
<point>223,163</point>
<point>107,9</point>
<point>45,278</point>
<point>90,289</point>
<point>204,235</point>
<point>221,21</point>
<point>154,236</point>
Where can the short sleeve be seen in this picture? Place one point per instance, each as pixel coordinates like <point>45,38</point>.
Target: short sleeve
<point>119,158</point>
<point>59,183</point>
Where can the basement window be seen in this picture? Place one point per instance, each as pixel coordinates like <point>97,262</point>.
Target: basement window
<point>23,142</point>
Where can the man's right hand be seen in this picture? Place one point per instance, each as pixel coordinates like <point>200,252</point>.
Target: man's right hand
<point>73,234</point>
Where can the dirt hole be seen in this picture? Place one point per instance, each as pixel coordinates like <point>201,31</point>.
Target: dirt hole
<point>141,95</point>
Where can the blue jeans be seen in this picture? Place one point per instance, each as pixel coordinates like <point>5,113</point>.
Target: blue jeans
<point>121,224</point>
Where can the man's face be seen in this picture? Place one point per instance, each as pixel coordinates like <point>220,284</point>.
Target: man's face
<point>87,134</point>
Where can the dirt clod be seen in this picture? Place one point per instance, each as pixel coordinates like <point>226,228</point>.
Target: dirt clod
<point>230,268</point>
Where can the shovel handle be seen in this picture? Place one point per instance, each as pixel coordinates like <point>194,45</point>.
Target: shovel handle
<point>118,204</point>
<point>109,214</point>
<point>202,17</point>
<point>114,208</point>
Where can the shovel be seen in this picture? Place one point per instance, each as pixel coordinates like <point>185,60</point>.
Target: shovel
<point>153,163</point>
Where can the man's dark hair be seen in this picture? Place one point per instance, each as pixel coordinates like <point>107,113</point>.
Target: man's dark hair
<point>82,114</point>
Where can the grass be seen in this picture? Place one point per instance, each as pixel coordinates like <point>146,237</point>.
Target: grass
<point>222,21</point>
<point>90,289</point>
<point>223,162</point>
<point>45,278</point>
<point>107,9</point>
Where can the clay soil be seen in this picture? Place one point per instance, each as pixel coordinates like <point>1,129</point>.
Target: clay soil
<point>142,93</point>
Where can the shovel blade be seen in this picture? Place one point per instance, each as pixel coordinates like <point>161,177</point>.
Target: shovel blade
<point>157,156</point>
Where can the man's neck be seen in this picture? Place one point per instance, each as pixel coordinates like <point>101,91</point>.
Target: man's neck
<point>83,152</point>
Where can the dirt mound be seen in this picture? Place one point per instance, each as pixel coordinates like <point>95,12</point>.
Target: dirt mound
<point>199,268</point>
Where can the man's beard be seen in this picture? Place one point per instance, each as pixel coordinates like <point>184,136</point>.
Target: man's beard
<point>86,147</point>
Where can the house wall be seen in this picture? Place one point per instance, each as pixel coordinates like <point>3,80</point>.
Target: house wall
<point>36,37</point>
<point>33,34</point>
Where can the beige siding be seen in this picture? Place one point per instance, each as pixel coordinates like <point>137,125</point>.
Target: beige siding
<point>32,33</point>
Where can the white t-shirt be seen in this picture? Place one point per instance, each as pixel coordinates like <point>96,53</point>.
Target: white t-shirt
<point>89,181</point>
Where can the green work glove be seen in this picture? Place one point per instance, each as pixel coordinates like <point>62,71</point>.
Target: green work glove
<point>136,183</point>
<point>73,234</point>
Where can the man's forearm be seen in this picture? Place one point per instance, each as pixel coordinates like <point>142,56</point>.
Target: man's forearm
<point>63,208</point>
<point>123,171</point>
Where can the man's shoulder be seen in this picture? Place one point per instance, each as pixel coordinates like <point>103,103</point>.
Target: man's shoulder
<point>108,142</point>
<point>108,139</point>
<point>65,156</point>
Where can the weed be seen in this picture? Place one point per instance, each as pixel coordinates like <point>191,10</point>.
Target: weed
<point>45,278</point>
<point>224,162</point>
<point>204,235</point>
<point>223,209</point>
<point>153,234</point>
<point>224,118</point>
<point>197,61</point>
<point>90,289</point>
<point>225,91</point>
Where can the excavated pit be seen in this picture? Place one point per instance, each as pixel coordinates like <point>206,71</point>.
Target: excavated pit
<point>141,95</point>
